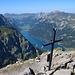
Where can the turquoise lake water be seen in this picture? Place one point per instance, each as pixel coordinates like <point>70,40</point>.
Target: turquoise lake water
<point>37,42</point>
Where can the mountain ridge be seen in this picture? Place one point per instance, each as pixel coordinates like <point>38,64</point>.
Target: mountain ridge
<point>44,22</point>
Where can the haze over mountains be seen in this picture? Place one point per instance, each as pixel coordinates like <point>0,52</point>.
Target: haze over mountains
<point>40,25</point>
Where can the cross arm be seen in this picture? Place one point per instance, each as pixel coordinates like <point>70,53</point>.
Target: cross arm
<point>51,42</point>
<point>46,44</point>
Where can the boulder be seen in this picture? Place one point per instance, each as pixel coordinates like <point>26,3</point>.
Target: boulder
<point>63,72</point>
<point>71,65</point>
<point>27,71</point>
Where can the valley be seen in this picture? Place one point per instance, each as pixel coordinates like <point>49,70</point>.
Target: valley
<point>37,37</point>
<point>38,43</point>
<point>39,25</point>
<point>22,35</point>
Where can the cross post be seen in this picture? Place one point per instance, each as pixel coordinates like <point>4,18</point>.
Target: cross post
<point>52,47</point>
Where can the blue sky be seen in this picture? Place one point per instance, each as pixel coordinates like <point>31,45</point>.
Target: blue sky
<point>36,6</point>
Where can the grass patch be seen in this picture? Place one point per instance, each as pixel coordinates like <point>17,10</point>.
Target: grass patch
<point>70,49</point>
<point>26,27</point>
<point>4,32</point>
<point>57,49</point>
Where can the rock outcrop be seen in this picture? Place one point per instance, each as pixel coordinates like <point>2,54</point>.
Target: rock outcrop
<point>63,63</point>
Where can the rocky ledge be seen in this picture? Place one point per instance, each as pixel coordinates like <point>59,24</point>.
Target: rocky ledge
<point>63,63</point>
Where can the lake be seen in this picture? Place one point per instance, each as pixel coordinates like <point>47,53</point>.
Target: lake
<point>37,42</point>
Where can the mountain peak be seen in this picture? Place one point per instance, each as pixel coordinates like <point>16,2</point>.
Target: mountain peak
<point>55,11</point>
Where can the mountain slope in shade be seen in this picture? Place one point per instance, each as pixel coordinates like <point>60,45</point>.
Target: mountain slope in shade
<point>13,46</point>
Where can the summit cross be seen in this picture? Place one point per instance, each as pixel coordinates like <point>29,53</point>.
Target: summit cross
<point>52,47</point>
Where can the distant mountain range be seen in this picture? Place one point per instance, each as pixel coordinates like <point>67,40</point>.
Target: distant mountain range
<point>13,45</point>
<point>40,25</point>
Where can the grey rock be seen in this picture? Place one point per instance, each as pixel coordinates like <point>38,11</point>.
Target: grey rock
<point>41,74</point>
<point>63,72</point>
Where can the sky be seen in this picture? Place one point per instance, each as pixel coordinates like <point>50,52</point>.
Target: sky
<point>36,6</point>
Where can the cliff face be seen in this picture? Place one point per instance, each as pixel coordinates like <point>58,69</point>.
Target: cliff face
<point>13,45</point>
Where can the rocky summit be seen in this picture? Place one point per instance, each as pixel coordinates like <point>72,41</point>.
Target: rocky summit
<point>63,62</point>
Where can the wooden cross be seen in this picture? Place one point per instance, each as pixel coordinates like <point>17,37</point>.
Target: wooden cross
<point>52,47</point>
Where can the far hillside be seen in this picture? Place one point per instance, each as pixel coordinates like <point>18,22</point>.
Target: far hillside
<point>40,25</point>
